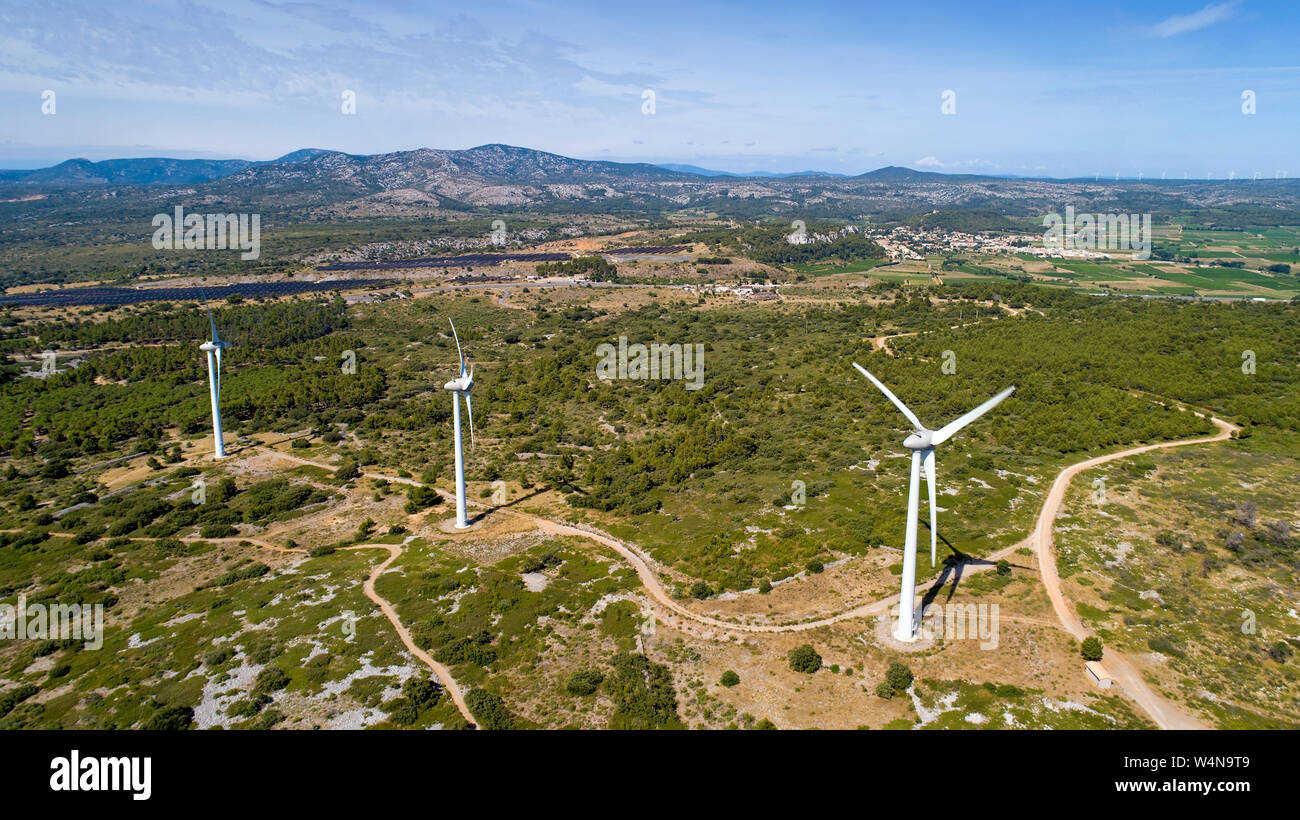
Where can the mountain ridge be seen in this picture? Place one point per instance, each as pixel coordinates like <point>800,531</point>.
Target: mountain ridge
<point>316,183</point>
<point>511,162</point>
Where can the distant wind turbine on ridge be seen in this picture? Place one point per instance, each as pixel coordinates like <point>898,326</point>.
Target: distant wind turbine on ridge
<point>213,348</point>
<point>922,442</point>
<point>461,386</point>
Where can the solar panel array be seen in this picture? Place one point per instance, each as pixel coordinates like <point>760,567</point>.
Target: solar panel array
<point>76,297</point>
<point>646,249</point>
<point>469,259</point>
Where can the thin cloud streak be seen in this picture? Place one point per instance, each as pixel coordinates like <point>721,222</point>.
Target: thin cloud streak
<point>1208,16</point>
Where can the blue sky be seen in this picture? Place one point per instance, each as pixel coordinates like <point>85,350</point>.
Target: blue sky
<point>1044,89</point>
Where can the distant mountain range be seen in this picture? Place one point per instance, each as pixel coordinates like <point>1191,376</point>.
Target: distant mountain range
<point>502,161</point>
<point>320,184</point>
<point>709,172</point>
<point>145,171</point>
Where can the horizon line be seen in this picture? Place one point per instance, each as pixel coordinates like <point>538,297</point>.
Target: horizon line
<point>673,166</point>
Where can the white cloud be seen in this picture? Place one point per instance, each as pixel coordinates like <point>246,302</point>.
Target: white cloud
<point>929,162</point>
<point>1183,23</point>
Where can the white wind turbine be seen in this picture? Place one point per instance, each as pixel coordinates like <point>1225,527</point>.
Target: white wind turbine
<point>461,386</point>
<point>213,348</point>
<point>922,442</point>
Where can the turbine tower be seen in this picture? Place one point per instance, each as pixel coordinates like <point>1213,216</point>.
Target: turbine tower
<point>461,386</point>
<point>213,348</point>
<point>922,442</point>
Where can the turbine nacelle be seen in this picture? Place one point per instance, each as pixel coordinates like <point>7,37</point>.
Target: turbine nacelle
<point>214,345</point>
<point>460,384</point>
<point>920,440</point>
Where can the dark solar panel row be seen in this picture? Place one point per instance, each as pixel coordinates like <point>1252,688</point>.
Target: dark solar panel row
<point>649,249</point>
<point>76,297</point>
<point>469,259</point>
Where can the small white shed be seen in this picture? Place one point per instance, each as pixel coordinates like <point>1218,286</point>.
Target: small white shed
<point>1098,674</point>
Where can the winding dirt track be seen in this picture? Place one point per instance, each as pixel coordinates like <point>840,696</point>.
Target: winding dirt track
<point>394,551</point>
<point>443,673</point>
<point>1163,712</point>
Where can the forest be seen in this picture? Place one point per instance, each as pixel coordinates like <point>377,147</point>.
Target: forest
<point>779,401</point>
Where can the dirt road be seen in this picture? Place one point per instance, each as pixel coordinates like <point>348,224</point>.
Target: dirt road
<point>442,672</point>
<point>1166,714</point>
<point>394,550</point>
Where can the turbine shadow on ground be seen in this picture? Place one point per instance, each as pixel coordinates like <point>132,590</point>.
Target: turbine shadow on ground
<point>488,511</point>
<point>954,566</point>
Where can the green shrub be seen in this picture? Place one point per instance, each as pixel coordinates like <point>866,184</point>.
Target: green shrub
<point>419,498</point>
<point>170,719</point>
<point>402,711</point>
<point>584,682</point>
<point>15,696</point>
<point>270,679</point>
<point>1091,648</point>
<point>643,693</point>
<point>249,706</point>
<point>255,570</point>
<point>729,679</point>
<point>218,656</point>
<point>422,692</point>
<point>489,710</point>
<point>805,659</point>
<point>898,676</point>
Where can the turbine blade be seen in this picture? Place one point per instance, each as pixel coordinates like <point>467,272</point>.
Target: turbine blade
<point>946,432</point>
<point>218,352</point>
<point>897,402</point>
<point>458,351</point>
<point>931,484</point>
<point>211,322</point>
<point>469,410</point>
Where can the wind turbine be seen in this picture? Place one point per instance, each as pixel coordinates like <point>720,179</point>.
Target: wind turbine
<point>461,386</point>
<point>213,348</point>
<point>922,442</point>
